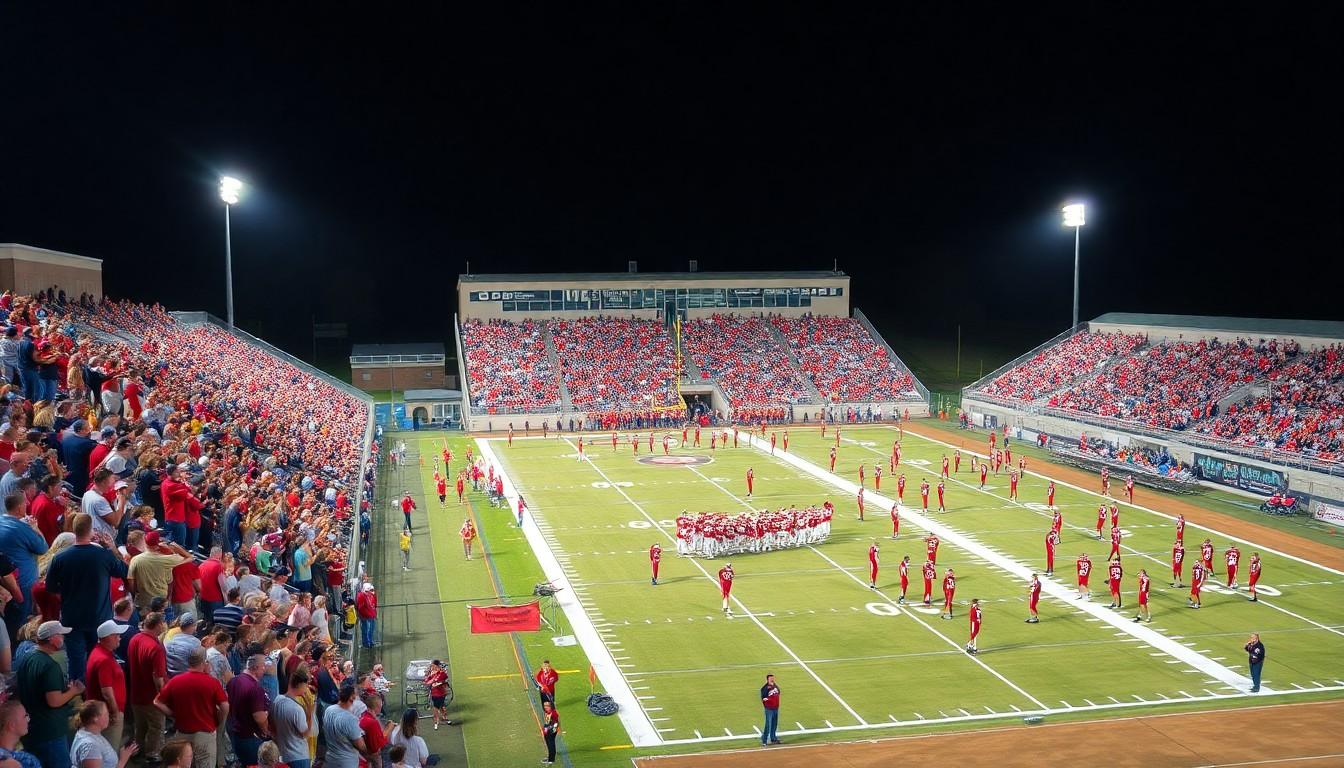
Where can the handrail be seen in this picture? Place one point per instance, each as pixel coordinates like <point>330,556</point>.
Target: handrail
<point>352,558</point>
<point>1011,364</point>
<point>872,331</point>
<point>462,371</point>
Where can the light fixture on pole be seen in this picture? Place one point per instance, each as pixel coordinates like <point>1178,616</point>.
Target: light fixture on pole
<point>1073,217</point>
<point>229,190</point>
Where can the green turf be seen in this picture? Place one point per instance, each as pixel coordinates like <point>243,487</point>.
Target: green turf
<point>839,660</point>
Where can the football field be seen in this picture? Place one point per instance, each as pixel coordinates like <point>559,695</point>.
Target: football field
<point>851,660</point>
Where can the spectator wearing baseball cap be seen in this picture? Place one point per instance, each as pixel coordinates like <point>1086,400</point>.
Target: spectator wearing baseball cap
<point>38,675</point>
<point>106,517</point>
<point>151,571</point>
<point>105,681</point>
<point>181,643</point>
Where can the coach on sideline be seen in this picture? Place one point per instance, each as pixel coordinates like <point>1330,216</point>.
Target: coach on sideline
<point>770,700</point>
<point>1256,651</point>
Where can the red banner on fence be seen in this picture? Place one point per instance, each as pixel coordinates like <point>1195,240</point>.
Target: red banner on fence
<point>505,618</point>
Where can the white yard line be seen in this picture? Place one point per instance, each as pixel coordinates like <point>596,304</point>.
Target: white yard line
<point>1017,713</point>
<point>641,730</point>
<point>1053,588</point>
<point>883,595</point>
<point>797,659</point>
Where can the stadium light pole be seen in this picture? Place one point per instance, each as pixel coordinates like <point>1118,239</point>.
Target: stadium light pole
<point>1073,217</point>
<point>229,190</point>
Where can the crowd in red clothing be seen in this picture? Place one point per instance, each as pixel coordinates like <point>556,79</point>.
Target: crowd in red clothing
<point>508,366</point>
<point>1302,412</point>
<point>613,364</point>
<point>844,361</point>
<point>1053,368</point>
<point>1170,384</point>
<point>753,369</point>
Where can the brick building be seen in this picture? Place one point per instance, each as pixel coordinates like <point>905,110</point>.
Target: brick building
<point>399,367</point>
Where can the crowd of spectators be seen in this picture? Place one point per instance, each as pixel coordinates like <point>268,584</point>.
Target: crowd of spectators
<point>1170,384</point>
<point>1055,367</point>
<point>1302,411</point>
<point>752,368</point>
<point>844,361</point>
<point>613,364</point>
<point>508,367</point>
<point>179,507</point>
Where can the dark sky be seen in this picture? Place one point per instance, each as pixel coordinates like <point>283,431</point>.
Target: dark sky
<point>926,148</point>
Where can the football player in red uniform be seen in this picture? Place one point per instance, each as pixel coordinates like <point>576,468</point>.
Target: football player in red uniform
<point>945,465</point>
<point>956,460</point>
<point>1177,562</point>
<point>860,500</point>
<point>1255,575</point>
<point>1115,545</point>
<point>1206,556</point>
<point>1233,557</point>
<point>924,493</point>
<point>872,565</point>
<point>930,573</point>
<point>1180,528</point>
<point>1129,488</point>
<point>1101,520</point>
<point>751,480</point>
<point>1144,613</point>
<point>726,585</point>
<point>904,569</point>
<point>942,507</point>
<point>655,559</point>
<point>931,548</point>
<point>1114,573</point>
<point>877,478</point>
<point>1084,573</point>
<point>895,521</point>
<point>1050,494</point>
<point>1051,542</point>
<point>1033,599</point>
<point>949,591</point>
<point>832,458</point>
<point>900,488</point>
<point>984,472</point>
<point>1197,574</point>
<point>1012,484</point>
<point>977,618</point>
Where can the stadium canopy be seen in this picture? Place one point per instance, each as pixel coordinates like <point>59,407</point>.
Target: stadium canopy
<point>1251,326</point>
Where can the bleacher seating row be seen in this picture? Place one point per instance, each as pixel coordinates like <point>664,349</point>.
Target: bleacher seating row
<point>1178,384</point>
<point>611,364</point>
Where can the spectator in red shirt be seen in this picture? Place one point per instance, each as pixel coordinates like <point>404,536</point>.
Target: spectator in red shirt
<point>211,590</point>
<point>375,732</point>
<point>181,509</point>
<point>197,703</point>
<point>182,591</point>
<point>148,665</point>
<point>366,609</point>
<point>104,681</point>
<point>48,508</point>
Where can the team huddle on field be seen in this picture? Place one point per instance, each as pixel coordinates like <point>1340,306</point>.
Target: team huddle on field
<point>713,534</point>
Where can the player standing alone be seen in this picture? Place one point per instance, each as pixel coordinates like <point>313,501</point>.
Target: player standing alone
<point>904,569</point>
<point>976,618</point>
<point>942,507</point>
<point>860,499</point>
<point>655,559</point>
<point>1129,488</point>
<point>1144,583</point>
<point>726,585</point>
<point>872,565</point>
<point>895,521</point>
<point>1012,484</point>
<point>441,485</point>
<point>751,477</point>
<point>1084,572</point>
<point>1033,599</point>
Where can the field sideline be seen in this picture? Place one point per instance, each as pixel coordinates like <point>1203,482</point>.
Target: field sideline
<point>851,660</point>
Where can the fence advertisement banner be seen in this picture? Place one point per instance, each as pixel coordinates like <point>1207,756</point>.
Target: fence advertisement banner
<point>505,618</point>
<point>1237,474</point>
<point>1327,513</point>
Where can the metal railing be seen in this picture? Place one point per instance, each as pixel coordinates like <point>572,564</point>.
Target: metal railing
<point>462,371</point>
<point>386,359</point>
<point>872,330</point>
<point>1011,364</point>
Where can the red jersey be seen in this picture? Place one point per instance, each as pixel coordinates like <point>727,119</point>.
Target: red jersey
<point>1144,584</point>
<point>1051,541</point>
<point>726,579</point>
<point>949,584</point>
<point>1034,591</point>
<point>1233,557</point>
<point>931,545</point>
<point>872,554</point>
<point>977,616</point>
<point>655,553</point>
<point>924,490</point>
<point>1177,555</point>
<point>1116,572</point>
<point>1196,575</point>
<point>1255,567</point>
<point>904,570</point>
<point>930,571</point>
<point>442,487</point>
<point>1084,569</point>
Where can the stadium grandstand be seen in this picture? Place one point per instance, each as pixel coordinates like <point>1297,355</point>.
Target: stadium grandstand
<point>627,348</point>
<point>1192,388</point>
<point>180,438</point>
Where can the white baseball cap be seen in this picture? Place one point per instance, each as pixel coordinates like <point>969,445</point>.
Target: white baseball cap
<point>110,627</point>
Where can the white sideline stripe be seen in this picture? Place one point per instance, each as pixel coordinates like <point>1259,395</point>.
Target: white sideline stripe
<point>641,730</point>
<point>1054,589</point>
<point>1016,713</point>
<point>1058,482</point>
<point>891,602</point>
<point>734,598</point>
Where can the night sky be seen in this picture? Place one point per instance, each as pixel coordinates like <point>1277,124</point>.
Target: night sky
<point>926,149</point>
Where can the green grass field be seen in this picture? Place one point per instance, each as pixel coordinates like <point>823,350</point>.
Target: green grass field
<point>852,662</point>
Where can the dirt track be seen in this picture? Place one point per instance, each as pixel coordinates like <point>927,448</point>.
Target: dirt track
<point>1194,514</point>
<point>1287,735</point>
